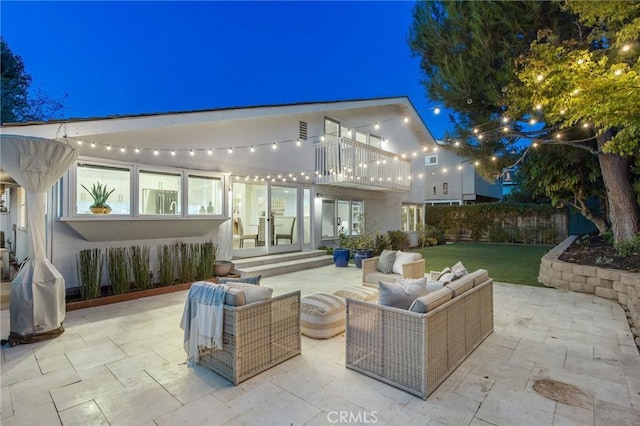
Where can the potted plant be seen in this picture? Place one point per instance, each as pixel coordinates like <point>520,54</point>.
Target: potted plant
<point>100,195</point>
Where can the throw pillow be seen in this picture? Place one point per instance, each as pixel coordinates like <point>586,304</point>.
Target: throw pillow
<point>446,278</point>
<point>385,262</point>
<point>403,257</point>
<point>249,280</point>
<point>444,271</point>
<point>458,270</point>
<point>401,294</point>
<point>252,292</point>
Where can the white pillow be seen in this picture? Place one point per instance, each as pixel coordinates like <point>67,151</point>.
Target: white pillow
<point>403,257</point>
<point>402,293</point>
<point>252,292</point>
<point>458,270</point>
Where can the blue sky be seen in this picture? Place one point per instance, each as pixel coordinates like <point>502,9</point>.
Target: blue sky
<point>144,57</point>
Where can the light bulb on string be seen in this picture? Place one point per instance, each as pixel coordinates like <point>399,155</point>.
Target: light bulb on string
<point>540,77</point>
<point>108,147</point>
<point>626,48</point>
<point>436,110</point>
<point>274,146</point>
<point>406,120</point>
<point>376,126</point>
<point>191,153</point>
<point>298,143</point>
<point>173,152</point>
<point>123,149</point>
<point>252,149</point>
<point>230,150</point>
<point>155,152</point>
<point>93,144</point>
<point>79,142</point>
<point>137,150</point>
<point>210,151</point>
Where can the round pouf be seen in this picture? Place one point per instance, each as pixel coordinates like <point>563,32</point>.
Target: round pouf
<point>341,257</point>
<point>322,315</point>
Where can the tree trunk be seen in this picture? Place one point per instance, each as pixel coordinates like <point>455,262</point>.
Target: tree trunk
<point>624,213</point>
<point>597,220</point>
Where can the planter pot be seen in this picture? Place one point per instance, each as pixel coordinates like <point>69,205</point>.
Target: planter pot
<point>100,210</point>
<point>222,267</point>
<point>360,254</point>
<point>341,257</point>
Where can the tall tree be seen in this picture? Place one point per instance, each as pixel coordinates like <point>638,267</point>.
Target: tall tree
<point>17,103</point>
<point>481,59</point>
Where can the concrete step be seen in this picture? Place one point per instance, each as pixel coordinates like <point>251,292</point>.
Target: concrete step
<point>286,266</point>
<point>276,258</point>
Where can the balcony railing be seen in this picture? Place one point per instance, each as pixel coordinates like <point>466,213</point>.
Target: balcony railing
<point>344,162</point>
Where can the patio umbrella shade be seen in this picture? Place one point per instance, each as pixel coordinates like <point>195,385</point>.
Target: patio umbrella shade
<point>38,291</point>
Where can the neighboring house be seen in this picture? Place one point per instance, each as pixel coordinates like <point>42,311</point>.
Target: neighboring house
<point>452,179</point>
<point>256,180</point>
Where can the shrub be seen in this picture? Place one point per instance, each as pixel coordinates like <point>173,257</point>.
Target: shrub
<point>399,240</point>
<point>167,258</point>
<point>139,261</point>
<point>90,263</point>
<point>430,236</point>
<point>381,242</point>
<point>118,268</point>
<point>629,248</point>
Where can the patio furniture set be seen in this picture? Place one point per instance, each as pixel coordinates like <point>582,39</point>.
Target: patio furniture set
<point>412,343</point>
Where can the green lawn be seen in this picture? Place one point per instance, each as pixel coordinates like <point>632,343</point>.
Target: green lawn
<point>510,263</point>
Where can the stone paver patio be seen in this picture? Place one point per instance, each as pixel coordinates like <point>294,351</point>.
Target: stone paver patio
<point>123,364</point>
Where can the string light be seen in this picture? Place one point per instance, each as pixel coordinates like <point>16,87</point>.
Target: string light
<point>253,149</point>
<point>540,77</point>
<point>123,149</point>
<point>626,48</point>
<point>436,110</point>
<point>108,147</point>
<point>173,152</point>
<point>274,146</point>
<point>93,144</point>
<point>377,126</point>
<point>155,152</point>
<point>210,151</point>
<point>191,153</point>
<point>298,143</point>
<point>137,150</point>
<point>230,150</point>
<point>406,120</point>
<point>79,142</point>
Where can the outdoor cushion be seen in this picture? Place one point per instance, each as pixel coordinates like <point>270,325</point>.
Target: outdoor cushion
<point>359,293</point>
<point>385,261</point>
<point>249,280</point>
<point>441,274</point>
<point>402,293</point>
<point>461,285</point>
<point>479,276</point>
<point>375,277</point>
<point>458,270</point>
<point>322,315</point>
<point>234,297</point>
<point>431,301</point>
<point>252,292</point>
<point>403,257</point>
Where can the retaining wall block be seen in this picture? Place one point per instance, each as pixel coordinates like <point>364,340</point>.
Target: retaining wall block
<point>608,274</point>
<point>630,278</point>
<point>587,271</point>
<point>607,293</point>
<point>582,288</point>
<point>580,279</point>
<point>608,284</point>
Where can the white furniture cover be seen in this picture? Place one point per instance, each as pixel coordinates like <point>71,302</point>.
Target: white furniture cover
<point>38,291</point>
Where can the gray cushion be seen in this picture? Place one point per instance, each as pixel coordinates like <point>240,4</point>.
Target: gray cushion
<point>402,293</point>
<point>385,262</point>
<point>431,301</point>
<point>252,292</point>
<point>234,297</point>
<point>249,280</point>
<point>479,276</point>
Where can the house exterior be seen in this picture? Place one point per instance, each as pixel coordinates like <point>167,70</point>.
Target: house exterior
<point>256,180</point>
<point>452,179</point>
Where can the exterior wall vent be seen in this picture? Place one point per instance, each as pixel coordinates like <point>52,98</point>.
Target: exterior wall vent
<point>302,133</point>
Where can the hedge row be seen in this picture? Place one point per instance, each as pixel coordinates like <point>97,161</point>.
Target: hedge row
<point>500,222</point>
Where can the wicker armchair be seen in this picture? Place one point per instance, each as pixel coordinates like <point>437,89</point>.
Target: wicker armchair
<point>417,352</point>
<point>256,337</point>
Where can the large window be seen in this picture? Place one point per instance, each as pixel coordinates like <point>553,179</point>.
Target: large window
<point>143,190</point>
<point>342,217</point>
<point>205,195</point>
<point>411,217</point>
<point>160,193</point>
<point>89,176</point>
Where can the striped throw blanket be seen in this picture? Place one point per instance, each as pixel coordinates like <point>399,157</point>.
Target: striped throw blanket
<point>202,319</point>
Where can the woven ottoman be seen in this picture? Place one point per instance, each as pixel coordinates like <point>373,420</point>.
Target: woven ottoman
<point>366,294</point>
<point>322,315</point>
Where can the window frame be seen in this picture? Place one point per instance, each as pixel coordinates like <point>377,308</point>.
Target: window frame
<point>336,231</point>
<point>431,156</point>
<point>70,206</point>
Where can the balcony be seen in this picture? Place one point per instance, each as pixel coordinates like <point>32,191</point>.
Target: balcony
<point>347,163</point>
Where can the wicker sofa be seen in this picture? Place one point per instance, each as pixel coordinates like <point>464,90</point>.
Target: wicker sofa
<point>371,276</point>
<point>257,337</point>
<point>416,352</point>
